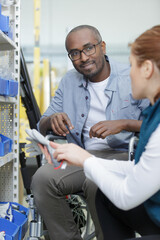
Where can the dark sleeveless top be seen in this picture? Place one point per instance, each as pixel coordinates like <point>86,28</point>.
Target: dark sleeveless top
<point>150,122</point>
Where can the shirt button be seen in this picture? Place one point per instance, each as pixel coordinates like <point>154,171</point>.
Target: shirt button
<point>82,115</point>
<point>77,133</point>
<point>86,97</point>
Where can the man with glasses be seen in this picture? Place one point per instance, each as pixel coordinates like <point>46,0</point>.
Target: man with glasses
<point>93,107</point>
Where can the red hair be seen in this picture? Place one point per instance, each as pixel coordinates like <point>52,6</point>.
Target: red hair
<point>147,46</point>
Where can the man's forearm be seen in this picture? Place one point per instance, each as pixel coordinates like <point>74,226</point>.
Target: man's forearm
<point>44,125</point>
<point>132,125</point>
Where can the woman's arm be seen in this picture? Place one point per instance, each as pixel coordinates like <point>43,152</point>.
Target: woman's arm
<point>138,185</point>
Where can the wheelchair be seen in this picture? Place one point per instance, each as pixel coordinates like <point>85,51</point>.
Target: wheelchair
<point>132,146</point>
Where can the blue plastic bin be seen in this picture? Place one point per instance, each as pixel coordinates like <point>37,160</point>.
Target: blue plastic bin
<point>5,145</point>
<point>4,23</point>
<point>11,229</point>
<point>8,87</point>
<point>20,218</point>
<point>4,85</point>
<point>13,88</point>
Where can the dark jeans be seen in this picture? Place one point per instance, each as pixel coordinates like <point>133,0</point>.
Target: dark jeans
<point>118,224</point>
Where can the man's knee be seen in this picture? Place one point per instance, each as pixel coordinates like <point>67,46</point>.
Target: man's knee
<point>57,182</point>
<point>41,179</point>
<point>89,189</point>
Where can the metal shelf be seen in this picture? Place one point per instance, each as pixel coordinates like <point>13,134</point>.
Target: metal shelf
<point>8,99</point>
<point>6,159</point>
<point>6,43</point>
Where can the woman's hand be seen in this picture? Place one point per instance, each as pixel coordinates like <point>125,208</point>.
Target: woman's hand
<point>70,153</point>
<point>45,152</point>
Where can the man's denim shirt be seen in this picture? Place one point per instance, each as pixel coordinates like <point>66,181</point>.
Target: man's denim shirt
<point>73,98</point>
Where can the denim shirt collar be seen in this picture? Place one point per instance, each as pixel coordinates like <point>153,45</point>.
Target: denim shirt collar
<point>112,85</point>
<point>83,82</point>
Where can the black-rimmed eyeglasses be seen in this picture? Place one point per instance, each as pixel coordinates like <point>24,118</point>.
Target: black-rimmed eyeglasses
<point>88,50</point>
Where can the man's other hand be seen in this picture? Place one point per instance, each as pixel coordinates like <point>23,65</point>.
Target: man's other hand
<point>60,123</point>
<point>106,128</point>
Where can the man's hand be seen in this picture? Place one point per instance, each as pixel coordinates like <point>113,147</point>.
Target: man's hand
<point>59,123</point>
<point>106,128</point>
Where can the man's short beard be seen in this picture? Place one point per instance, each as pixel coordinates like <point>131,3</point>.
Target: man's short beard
<point>91,74</point>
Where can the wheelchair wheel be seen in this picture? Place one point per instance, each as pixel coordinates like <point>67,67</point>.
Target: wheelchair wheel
<point>77,207</point>
<point>81,216</point>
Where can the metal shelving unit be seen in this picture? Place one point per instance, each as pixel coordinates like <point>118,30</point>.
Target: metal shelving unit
<point>9,106</point>
<point>6,43</point>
